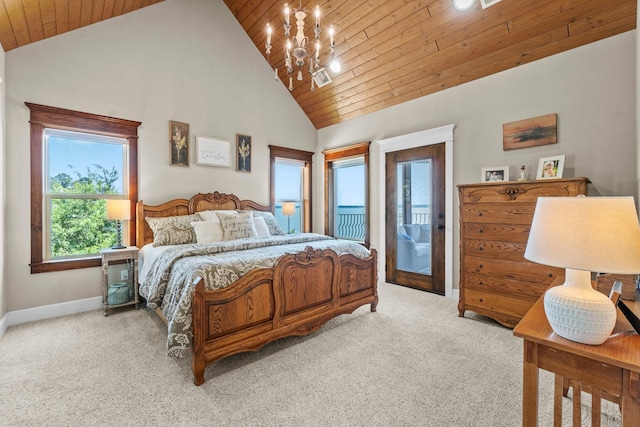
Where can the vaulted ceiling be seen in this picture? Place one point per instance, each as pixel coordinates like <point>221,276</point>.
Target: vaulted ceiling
<point>391,51</point>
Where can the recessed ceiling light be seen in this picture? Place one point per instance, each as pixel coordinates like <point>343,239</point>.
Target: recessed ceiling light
<point>463,4</point>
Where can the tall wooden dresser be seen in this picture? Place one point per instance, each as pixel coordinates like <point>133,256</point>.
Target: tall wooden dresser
<point>495,278</point>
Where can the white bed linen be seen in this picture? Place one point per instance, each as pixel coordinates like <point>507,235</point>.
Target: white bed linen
<point>148,253</point>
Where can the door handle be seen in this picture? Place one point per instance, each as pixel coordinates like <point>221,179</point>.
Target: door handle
<point>440,227</point>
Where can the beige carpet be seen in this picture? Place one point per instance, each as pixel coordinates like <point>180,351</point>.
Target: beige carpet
<point>412,363</point>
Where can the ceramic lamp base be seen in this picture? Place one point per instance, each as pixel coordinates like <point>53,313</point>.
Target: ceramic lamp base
<point>579,313</point>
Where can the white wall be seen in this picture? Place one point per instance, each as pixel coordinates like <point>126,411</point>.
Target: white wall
<point>184,60</point>
<point>591,88</point>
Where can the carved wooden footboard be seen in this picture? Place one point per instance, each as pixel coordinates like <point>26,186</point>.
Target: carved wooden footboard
<point>295,297</point>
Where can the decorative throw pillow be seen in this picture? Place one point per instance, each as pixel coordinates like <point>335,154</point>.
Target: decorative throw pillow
<point>173,230</point>
<point>271,221</point>
<point>208,231</point>
<point>237,225</point>
<point>261,227</point>
<point>213,215</point>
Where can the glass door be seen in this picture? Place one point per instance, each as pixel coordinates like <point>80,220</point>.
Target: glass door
<point>415,218</point>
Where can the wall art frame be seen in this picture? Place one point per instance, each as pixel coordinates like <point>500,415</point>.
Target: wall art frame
<point>178,143</point>
<point>532,132</point>
<point>212,151</point>
<point>243,153</point>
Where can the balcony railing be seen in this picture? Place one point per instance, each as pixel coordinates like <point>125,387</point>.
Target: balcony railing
<point>351,225</point>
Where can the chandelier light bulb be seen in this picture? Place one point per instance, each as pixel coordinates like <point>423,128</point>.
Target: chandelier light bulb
<point>335,66</point>
<point>463,4</point>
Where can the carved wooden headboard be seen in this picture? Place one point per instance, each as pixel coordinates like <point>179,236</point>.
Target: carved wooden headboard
<point>200,202</point>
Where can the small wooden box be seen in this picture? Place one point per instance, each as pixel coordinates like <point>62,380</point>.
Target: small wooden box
<point>604,283</point>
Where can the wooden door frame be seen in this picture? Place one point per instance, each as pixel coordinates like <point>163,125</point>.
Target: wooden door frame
<point>413,140</point>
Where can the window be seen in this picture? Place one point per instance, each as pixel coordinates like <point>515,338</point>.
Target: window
<point>291,184</point>
<point>347,192</point>
<point>78,161</point>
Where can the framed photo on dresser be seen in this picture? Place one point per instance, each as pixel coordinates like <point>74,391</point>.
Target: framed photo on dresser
<point>550,167</point>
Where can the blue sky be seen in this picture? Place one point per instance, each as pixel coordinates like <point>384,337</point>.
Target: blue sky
<point>81,154</point>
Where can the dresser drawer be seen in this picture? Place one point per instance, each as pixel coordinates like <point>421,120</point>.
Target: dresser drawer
<point>494,249</point>
<point>503,232</point>
<point>525,271</point>
<point>497,303</point>
<point>525,192</point>
<point>530,291</point>
<point>518,213</point>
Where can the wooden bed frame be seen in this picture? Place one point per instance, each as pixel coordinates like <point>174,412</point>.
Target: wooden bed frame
<point>295,297</point>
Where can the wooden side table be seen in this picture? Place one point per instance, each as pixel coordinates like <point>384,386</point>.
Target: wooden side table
<point>610,370</point>
<point>129,253</point>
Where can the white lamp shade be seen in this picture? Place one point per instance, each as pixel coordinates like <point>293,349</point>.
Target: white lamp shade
<point>598,234</point>
<point>288,208</point>
<point>118,209</point>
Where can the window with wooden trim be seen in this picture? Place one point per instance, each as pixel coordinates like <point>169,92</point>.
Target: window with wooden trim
<point>290,184</point>
<point>346,190</point>
<point>78,162</point>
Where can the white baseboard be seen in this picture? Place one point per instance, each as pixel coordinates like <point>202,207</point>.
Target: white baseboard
<point>49,311</point>
<point>3,325</point>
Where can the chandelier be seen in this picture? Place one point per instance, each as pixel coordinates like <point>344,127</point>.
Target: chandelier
<point>301,48</point>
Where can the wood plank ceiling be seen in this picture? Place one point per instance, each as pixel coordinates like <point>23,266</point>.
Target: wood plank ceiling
<point>391,51</point>
<point>397,50</point>
<point>27,21</point>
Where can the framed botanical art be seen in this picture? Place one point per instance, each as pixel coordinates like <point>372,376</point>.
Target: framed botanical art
<point>179,143</point>
<point>550,167</point>
<point>243,153</point>
<point>212,151</point>
<point>494,174</point>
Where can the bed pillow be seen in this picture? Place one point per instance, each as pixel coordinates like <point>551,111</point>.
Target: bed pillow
<point>237,225</point>
<point>271,221</point>
<point>261,227</point>
<point>208,231</point>
<point>173,230</point>
<point>212,215</point>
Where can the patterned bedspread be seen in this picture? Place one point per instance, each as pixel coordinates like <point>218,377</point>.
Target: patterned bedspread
<point>171,279</point>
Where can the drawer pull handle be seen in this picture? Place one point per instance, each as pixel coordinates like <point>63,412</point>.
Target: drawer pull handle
<point>479,213</point>
<point>549,274</point>
<point>480,283</point>
<point>480,230</point>
<point>479,265</point>
<point>481,300</point>
<point>480,248</point>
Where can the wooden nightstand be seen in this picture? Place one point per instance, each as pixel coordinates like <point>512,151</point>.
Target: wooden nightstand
<point>110,255</point>
<point>610,370</point>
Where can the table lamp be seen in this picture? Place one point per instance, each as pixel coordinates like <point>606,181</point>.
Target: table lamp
<point>584,234</point>
<point>118,210</point>
<point>288,209</point>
